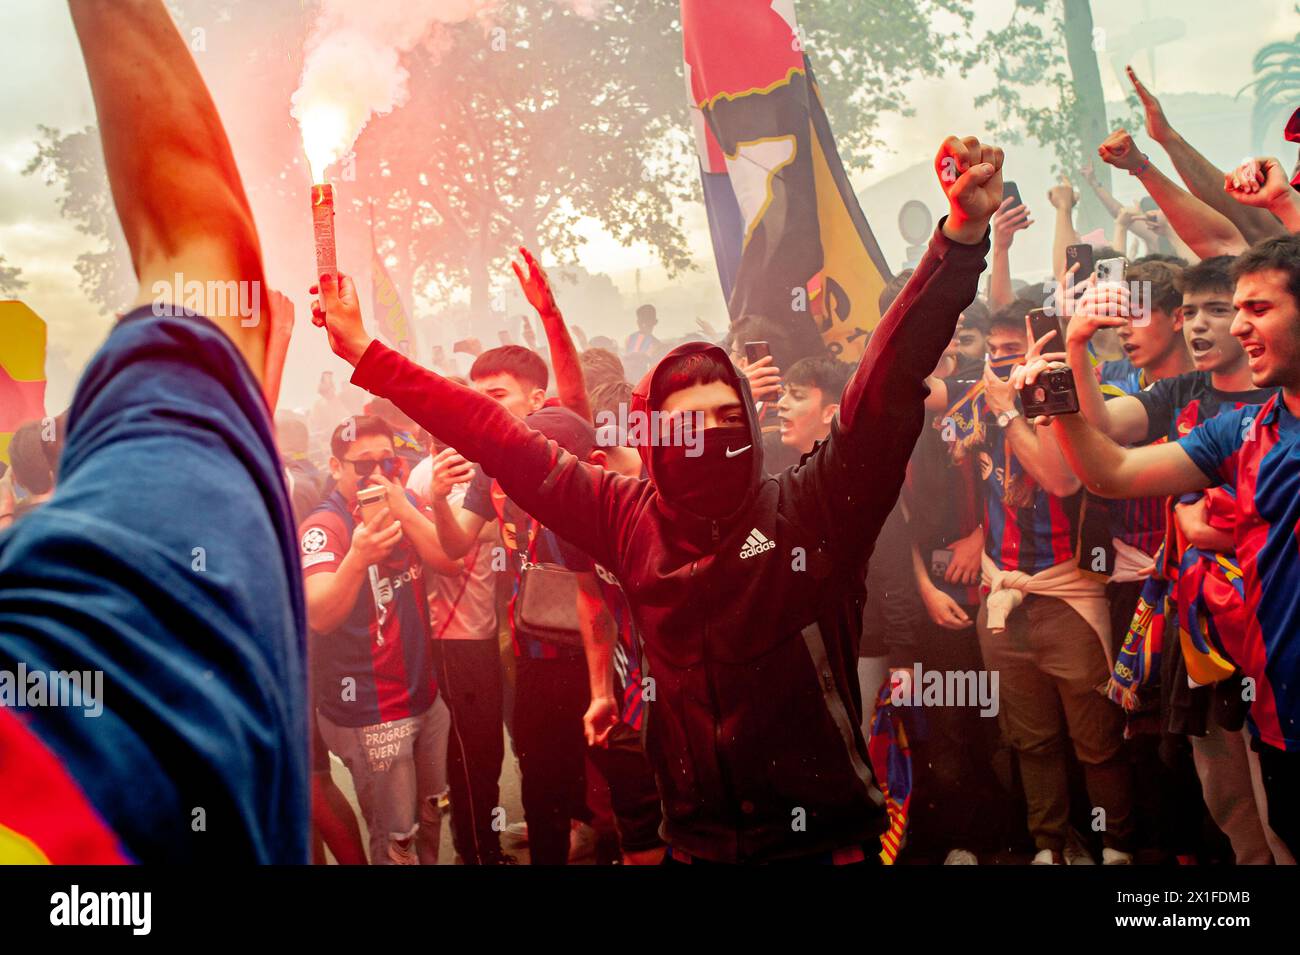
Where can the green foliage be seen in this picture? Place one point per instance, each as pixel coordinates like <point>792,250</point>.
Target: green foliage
<point>1276,86</point>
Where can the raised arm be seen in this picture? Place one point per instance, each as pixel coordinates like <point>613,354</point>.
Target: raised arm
<point>569,383</point>
<point>1034,449</point>
<point>858,471</point>
<point>1006,223</point>
<point>1063,198</point>
<point>1202,177</point>
<point>1262,183</point>
<point>1153,470</point>
<point>1206,230</point>
<point>177,191</point>
<point>588,506</point>
<point>1122,419</point>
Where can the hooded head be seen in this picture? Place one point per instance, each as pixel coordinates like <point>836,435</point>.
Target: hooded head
<point>704,448</point>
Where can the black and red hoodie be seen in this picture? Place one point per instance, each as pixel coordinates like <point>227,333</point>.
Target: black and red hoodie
<point>754,723</point>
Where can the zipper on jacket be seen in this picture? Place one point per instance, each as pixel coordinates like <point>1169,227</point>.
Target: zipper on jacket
<point>724,784</point>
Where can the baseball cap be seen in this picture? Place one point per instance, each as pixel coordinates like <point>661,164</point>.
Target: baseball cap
<point>566,429</point>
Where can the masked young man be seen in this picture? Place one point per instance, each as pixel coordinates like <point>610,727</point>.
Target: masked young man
<point>746,590</point>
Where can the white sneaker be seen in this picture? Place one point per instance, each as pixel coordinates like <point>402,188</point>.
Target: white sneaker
<point>1116,857</point>
<point>961,857</point>
<point>1046,857</point>
<point>1076,853</point>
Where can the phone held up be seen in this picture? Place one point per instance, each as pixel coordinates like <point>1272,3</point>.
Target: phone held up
<point>371,500</point>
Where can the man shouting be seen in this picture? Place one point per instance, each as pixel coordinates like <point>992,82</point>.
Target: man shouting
<point>747,590</point>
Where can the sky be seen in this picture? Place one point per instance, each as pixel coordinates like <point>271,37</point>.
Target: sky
<point>44,83</point>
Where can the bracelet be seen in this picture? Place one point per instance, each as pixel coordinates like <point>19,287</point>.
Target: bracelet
<point>1146,164</point>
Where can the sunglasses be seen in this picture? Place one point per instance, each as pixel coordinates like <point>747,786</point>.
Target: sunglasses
<point>389,466</point>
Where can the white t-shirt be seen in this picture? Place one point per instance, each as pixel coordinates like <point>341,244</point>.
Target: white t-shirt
<point>462,607</point>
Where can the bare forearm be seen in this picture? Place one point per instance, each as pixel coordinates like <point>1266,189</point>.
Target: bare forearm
<point>1205,229</point>
<point>1111,471</point>
<point>331,597</point>
<point>1063,236</point>
<point>1041,458</point>
<point>423,535</point>
<point>1205,181</point>
<point>1001,291</point>
<point>173,177</point>
<point>1092,403</point>
<point>456,541</point>
<point>569,383</point>
<point>169,163</point>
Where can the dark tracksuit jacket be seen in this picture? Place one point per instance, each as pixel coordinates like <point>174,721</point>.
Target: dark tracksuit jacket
<point>754,726</point>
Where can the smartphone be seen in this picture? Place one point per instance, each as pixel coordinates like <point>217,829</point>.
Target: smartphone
<point>1111,271</point>
<point>756,351</point>
<point>1042,323</point>
<point>939,561</point>
<point>1081,253</point>
<point>371,501</point>
<point>1011,189</point>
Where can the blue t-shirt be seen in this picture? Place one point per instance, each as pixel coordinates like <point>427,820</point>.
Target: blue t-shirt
<point>1255,452</point>
<point>166,560</point>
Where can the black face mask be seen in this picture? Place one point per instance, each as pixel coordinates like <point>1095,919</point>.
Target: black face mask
<point>711,476</point>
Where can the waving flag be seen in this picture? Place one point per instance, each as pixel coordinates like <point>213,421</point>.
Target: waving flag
<point>22,370</point>
<point>891,762</point>
<point>790,239</point>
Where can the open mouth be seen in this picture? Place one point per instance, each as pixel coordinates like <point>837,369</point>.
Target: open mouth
<point>1254,352</point>
<point>1201,345</point>
<point>1130,348</point>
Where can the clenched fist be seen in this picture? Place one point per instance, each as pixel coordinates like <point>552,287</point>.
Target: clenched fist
<point>1120,151</point>
<point>971,175</point>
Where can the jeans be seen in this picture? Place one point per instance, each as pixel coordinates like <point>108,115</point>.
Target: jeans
<point>399,769</point>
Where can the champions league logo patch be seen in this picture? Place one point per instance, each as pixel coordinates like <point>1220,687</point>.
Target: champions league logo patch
<point>313,540</point>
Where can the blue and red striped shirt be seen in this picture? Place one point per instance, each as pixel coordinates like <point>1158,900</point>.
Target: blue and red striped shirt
<point>1025,528</point>
<point>376,666</point>
<point>1255,451</point>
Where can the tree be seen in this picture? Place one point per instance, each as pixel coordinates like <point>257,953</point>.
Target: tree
<point>511,135</point>
<point>1276,86</point>
<point>11,281</point>
<point>1026,54</point>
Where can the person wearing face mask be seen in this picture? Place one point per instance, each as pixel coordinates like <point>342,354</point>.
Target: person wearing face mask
<point>377,702</point>
<point>747,590</point>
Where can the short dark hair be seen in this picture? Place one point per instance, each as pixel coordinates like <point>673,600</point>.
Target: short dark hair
<point>1177,260</point>
<point>1210,275</point>
<point>647,313</point>
<point>600,366</point>
<point>975,316</point>
<point>894,288</point>
<point>362,425</point>
<point>1013,315</point>
<point>1165,279</point>
<point>697,368</point>
<point>609,396</point>
<point>827,374</point>
<point>1281,254</point>
<point>520,363</point>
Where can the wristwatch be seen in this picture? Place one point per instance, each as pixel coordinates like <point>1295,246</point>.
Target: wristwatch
<point>1006,417</point>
